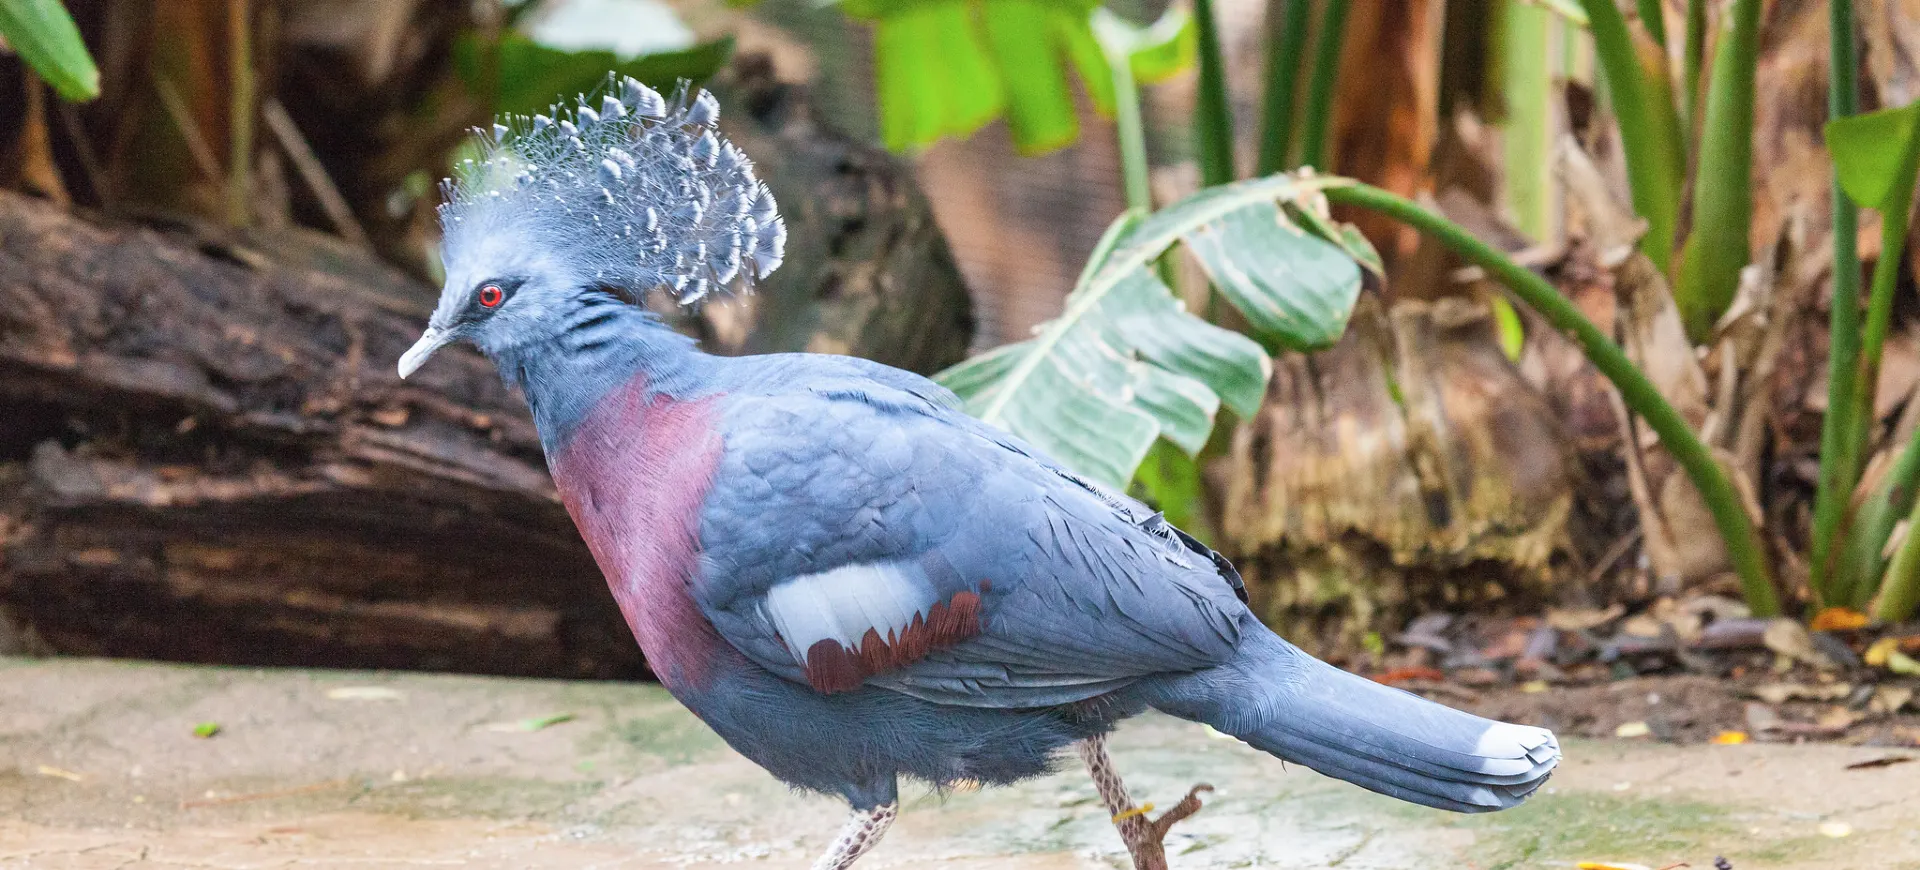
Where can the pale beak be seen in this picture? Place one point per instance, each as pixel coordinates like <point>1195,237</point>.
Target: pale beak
<point>416,356</point>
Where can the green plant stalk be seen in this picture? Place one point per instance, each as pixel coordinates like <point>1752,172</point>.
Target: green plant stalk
<point>1729,514</point>
<point>1649,129</point>
<point>1651,18</point>
<point>1901,594</point>
<point>240,114</point>
<point>1717,249</point>
<point>1131,130</point>
<point>1213,119</point>
<point>1873,338</point>
<point>1326,73</point>
<point>1693,57</point>
<point>1286,51</point>
<point>1839,452</point>
<point>1886,278</point>
<point>1567,10</point>
<point>1526,135</point>
<point>1864,554</point>
<point>1132,133</point>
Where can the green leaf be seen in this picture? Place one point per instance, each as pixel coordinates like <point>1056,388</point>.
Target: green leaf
<point>948,67</point>
<point>934,76</point>
<point>1159,329</point>
<point>1020,36</point>
<point>1167,47</point>
<point>1079,41</point>
<point>1872,153</point>
<point>1157,52</point>
<point>1295,289</point>
<point>1126,364</point>
<point>1347,236</point>
<point>44,36</point>
<point>530,77</point>
<point>203,730</point>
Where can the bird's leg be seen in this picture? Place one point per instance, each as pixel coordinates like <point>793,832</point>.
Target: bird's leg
<point>1127,817</point>
<point>1144,838</point>
<point>862,832</point>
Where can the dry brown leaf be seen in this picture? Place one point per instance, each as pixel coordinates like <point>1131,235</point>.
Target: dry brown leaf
<point>1780,693</point>
<point>1791,640</point>
<point>1839,718</point>
<point>1583,620</point>
<point>1888,700</point>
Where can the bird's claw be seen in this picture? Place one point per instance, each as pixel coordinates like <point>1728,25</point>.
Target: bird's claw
<point>1186,807</point>
<point>1146,838</point>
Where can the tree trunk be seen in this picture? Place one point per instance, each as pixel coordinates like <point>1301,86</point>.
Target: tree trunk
<point>1407,469</point>
<point>205,454</point>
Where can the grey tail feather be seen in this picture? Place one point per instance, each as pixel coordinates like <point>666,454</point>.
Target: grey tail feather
<point>1282,701</point>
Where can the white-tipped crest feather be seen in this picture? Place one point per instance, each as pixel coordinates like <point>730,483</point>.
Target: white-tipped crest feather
<point>642,194</point>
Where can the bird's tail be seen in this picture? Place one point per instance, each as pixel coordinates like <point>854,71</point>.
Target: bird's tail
<point>1283,701</point>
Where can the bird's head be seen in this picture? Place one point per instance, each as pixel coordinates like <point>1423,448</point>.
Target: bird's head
<point>630,194</point>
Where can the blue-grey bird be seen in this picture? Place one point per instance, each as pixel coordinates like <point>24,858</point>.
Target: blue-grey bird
<point>829,562</point>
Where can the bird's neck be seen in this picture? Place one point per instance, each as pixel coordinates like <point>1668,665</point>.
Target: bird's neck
<point>603,345</point>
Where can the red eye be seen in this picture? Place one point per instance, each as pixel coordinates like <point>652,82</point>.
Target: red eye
<point>491,296</point>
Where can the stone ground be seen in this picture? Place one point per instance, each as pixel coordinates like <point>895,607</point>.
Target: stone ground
<point>100,768</point>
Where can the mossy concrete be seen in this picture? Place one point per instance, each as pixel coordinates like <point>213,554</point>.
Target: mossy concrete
<point>99,767</point>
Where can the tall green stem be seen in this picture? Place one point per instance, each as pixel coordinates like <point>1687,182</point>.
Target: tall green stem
<point>1693,58</point>
<point>1526,136</point>
<point>1902,593</point>
<point>1901,585</point>
<point>1873,337</point>
<point>1326,72</point>
<point>1286,49</point>
<point>1839,451</point>
<point>1729,514</point>
<point>1863,556</point>
<point>1652,19</point>
<point>1213,119</point>
<point>1886,278</point>
<point>1649,128</point>
<point>1717,249</point>
<point>1132,133</point>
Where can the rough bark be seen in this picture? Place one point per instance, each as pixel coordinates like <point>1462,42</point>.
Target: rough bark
<point>1409,468</point>
<point>205,454</point>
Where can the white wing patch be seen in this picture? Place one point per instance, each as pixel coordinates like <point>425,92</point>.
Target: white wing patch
<point>843,604</point>
<point>854,622</point>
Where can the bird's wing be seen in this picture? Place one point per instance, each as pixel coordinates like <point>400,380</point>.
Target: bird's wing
<point>857,534</point>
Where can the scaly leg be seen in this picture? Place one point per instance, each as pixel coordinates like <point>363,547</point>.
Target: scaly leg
<point>862,832</point>
<point>1144,838</point>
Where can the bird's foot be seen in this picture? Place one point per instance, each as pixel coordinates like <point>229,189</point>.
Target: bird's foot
<point>1146,838</point>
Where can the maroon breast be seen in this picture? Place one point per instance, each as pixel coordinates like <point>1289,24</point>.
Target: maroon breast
<point>634,475</point>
